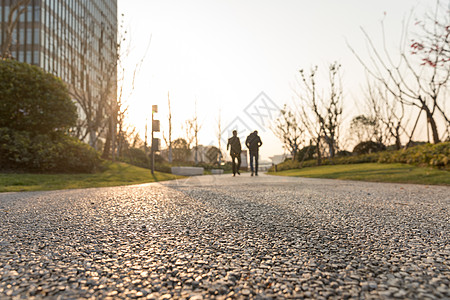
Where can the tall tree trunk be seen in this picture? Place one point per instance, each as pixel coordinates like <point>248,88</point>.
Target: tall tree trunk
<point>294,153</point>
<point>330,141</point>
<point>92,138</point>
<point>319,156</point>
<point>107,147</point>
<point>195,155</point>
<point>433,126</point>
<point>113,137</point>
<point>398,144</point>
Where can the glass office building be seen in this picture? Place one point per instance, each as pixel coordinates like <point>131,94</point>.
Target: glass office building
<point>73,39</point>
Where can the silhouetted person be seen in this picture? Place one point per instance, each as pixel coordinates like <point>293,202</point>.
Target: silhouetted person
<point>235,151</point>
<point>253,142</point>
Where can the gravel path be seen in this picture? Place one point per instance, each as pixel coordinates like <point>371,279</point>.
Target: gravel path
<point>222,237</point>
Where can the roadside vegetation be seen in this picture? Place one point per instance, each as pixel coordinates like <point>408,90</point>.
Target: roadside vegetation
<point>399,173</point>
<point>41,133</point>
<point>424,164</point>
<point>36,116</point>
<point>426,155</point>
<point>112,174</point>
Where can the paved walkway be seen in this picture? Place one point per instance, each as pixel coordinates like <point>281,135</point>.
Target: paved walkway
<point>218,237</point>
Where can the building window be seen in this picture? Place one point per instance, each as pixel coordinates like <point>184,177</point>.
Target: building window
<point>21,36</point>
<point>14,37</point>
<point>37,13</point>
<point>36,57</point>
<point>30,13</point>
<point>22,15</point>
<point>29,57</point>
<point>36,36</point>
<point>29,36</point>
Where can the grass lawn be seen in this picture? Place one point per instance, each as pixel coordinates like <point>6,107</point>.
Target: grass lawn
<point>114,174</point>
<point>400,173</point>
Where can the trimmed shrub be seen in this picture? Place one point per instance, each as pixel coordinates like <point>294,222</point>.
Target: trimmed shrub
<point>33,100</point>
<point>35,113</point>
<point>306,153</point>
<point>430,155</point>
<point>22,150</point>
<point>368,147</point>
<point>136,157</point>
<point>344,153</point>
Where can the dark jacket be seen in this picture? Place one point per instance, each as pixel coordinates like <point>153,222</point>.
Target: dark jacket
<point>235,144</point>
<point>253,142</point>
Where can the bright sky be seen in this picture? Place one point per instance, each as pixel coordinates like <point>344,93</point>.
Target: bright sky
<point>224,53</point>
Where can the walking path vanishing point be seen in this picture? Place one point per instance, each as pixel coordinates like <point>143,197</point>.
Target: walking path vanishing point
<point>219,237</point>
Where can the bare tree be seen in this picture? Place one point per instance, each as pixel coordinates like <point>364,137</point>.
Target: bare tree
<point>419,83</point>
<point>93,92</point>
<point>325,107</point>
<point>189,132</point>
<point>103,100</point>
<point>289,130</point>
<point>219,137</point>
<point>168,139</point>
<point>432,42</point>
<point>120,119</point>
<point>16,9</point>
<point>432,46</point>
<point>388,113</point>
<point>192,128</point>
<point>196,128</point>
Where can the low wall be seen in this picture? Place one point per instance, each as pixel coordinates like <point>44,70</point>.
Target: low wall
<point>216,171</point>
<point>187,171</point>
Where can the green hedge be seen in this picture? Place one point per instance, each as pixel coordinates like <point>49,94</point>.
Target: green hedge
<point>21,150</point>
<point>166,166</point>
<point>432,155</point>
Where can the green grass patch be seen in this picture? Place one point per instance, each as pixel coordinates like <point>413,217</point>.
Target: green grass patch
<point>400,173</point>
<point>114,174</point>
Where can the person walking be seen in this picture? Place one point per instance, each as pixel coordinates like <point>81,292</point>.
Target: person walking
<point>235,151</point>
<point>253,142</point>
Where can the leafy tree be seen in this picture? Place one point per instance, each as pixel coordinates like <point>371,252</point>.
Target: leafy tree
<point>181,150</point>
<point>32,100</point>
<point>306,153</point>
<point>364,128</point>
<point>212,154</point>
<point>368,147</point>
<point>35,114</point>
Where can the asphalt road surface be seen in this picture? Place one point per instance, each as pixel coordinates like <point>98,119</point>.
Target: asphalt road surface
<point>228,237</point>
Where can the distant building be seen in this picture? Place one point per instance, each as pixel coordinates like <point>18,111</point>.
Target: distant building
<point>244,160</point>
<point>277,159</point>
<point>74,39</point>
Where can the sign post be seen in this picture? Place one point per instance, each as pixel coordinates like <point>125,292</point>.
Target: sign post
<point>155,141</point>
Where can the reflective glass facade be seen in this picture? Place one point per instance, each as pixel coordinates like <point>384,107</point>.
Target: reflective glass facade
<point>73,39</point>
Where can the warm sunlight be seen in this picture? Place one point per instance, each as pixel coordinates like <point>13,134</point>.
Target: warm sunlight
<point>222,54</point>
<point>225,149</point>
